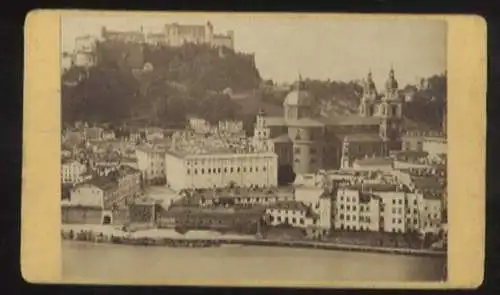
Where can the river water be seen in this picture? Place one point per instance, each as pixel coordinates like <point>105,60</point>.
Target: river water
<point>109,263</point>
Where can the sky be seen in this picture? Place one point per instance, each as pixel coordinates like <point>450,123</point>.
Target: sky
<point>324,47</point>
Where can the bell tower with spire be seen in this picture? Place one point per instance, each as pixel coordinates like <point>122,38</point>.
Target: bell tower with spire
<point>368,100</point>
<point>391,113</point>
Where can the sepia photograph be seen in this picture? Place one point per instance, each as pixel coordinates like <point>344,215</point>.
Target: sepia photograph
<point>203,147</point>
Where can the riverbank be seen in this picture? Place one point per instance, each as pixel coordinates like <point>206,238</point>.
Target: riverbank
<point>196,239</point>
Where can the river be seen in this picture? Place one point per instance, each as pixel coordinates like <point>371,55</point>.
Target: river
<point>108,263</point>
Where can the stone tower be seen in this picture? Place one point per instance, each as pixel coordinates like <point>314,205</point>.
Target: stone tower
<point>391,113</point>
<point>368,107</point>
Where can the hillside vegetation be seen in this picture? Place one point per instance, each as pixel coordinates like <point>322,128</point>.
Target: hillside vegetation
<point>164,84</point>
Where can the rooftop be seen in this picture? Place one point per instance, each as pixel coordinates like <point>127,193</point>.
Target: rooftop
<point>373,187</point>
<point>362,137</point>
<point>189,144</point>
<point>427,183</point>
<point>374,161</point>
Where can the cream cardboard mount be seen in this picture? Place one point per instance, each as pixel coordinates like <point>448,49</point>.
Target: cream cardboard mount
<point>41,248</point>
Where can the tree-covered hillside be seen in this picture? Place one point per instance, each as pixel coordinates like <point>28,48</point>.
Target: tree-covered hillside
<point>171,83</point>
<point>165,84</point>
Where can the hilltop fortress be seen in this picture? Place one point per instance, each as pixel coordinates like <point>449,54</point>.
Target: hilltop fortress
<point>173,35</point>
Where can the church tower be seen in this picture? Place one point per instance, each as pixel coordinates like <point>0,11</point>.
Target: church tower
<point>391,113</point>
<point>367,107</point>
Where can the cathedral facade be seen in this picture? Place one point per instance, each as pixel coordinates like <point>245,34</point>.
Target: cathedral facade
<point>308,143</point>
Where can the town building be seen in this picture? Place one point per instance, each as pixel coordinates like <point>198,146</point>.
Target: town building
<point>245,221</point>
<point>108,135</point>
<point>431,142</point>
<point>308,143</point>
<point>110,193</point>
<point>151,163</point>
<point>93,133</point>
<point>194,161</point>
<point>199,125</point>
<point>72,171</point>
<point>234,197</point>
<point>293,213</point>
<point>373,164</point>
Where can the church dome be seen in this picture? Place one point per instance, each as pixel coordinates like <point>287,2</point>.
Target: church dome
<point>298,98</point>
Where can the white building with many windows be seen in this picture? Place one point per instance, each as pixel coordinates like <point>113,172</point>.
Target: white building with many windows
<point>220,169</point>
<point>72,171</point>
<point>198,161</point>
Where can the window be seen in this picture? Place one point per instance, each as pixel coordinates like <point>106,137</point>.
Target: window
<point>393,210</point>
<point>302,221</point>
<point>264,168</point>
<point>294,220</point>
<point>354,217</point>
<point>354,208</point>
<point>394,202</point>
<point>394,220</point>
<point>348,207</point>
<point>341,207</point>
<point>361,208</point>
<point>218,170</point>
<point>341,216</point>
<point>279,218</point>
<point>297,150</point>
<point>400,202</point>
<point>250,169</point>
<point>399,211</point>
<point>238,169</point>
<point>225,170</point>
<point>232,169</point>
<point>195,171</point>
<point>188,171</point>
<point>399,220</point>
<point>348,217</point>
<point>256,169</point>
<point>202,171</point>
